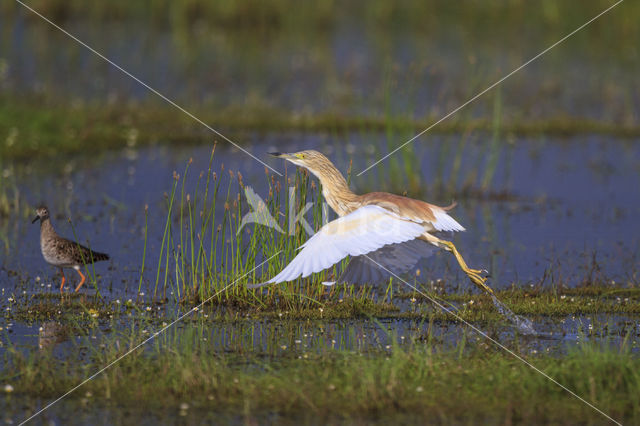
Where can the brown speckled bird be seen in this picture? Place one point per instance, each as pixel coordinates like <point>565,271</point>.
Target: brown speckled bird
<point>378,230</point>
<point>63,253</point>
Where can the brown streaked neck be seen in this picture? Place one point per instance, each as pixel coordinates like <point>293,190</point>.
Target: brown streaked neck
<point>336,190</point>
<point>46,228</point>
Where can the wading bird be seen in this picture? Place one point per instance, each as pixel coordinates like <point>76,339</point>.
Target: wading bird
<point>63,253</point>
<point>382,232</point>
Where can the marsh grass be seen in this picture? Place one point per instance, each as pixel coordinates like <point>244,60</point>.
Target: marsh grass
<point>43,127</point>
<point>289,16</point>
<point>352,304</point>
<point>420,378</point>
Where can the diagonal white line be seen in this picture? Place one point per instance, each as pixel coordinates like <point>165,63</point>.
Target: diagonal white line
<point>500,345</point>
<point>94,51</point>
<point>492,86</point>
<point>115,361</point>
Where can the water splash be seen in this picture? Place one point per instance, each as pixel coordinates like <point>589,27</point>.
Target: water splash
<point>524,325</point>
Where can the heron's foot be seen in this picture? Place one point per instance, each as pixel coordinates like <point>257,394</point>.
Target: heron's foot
<point>478,280</point>
<point>475,275</point>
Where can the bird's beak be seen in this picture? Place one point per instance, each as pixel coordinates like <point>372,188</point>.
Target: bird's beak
<point>284,155</point>
<point>35,219</point>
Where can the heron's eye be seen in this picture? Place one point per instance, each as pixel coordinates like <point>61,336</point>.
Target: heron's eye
<point>301,156</point>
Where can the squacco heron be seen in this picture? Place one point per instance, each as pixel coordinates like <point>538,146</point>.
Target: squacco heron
<point>387,225</point>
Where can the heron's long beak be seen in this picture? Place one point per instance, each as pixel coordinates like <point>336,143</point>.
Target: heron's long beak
<point>283,155</point>
<point>35,219</point>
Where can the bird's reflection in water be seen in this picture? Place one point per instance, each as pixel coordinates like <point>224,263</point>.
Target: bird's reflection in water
<point>50,334</point>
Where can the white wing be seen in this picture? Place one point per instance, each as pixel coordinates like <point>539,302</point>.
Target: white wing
<point>362,231</point>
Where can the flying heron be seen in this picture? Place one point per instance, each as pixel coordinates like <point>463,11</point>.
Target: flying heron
<point>376,229</point>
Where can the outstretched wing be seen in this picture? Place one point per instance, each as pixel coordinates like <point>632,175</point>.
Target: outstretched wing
<point>391,260</point>
<point>360,232</point>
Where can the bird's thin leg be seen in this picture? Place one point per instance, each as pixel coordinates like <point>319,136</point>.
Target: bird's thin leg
<point>63,280</point>
<point>473,274</point>
<point>81,281</point>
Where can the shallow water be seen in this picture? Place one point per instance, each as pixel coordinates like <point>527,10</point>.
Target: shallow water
<point>568,209</point>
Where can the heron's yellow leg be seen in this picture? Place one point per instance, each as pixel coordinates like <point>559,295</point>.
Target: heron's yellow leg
<point>473,274</point>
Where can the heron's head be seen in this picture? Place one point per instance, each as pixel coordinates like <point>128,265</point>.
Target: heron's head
<point>42,213</point>
<point>311,160</point>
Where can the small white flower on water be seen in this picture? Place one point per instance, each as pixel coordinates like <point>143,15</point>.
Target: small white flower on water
<point>164,324</point>
<point>471,302</point>
<point>331,387</point>
<point>48,285</point>
<point>388,346</point>
<point>564,296</point>
<point>413,300</point>
<point>196,309</point>
<point>117,301</point>
<point>184,406</point>
<point>210,397</point>
<point>8,388</point>
<point>283,347</point>
<point>10,299</point>
<point>419,389</point>
<point>38,279</point>
<point>235,380</point>
<point>141,293</point>
<point>41,329</point>
<point>280,314</point>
